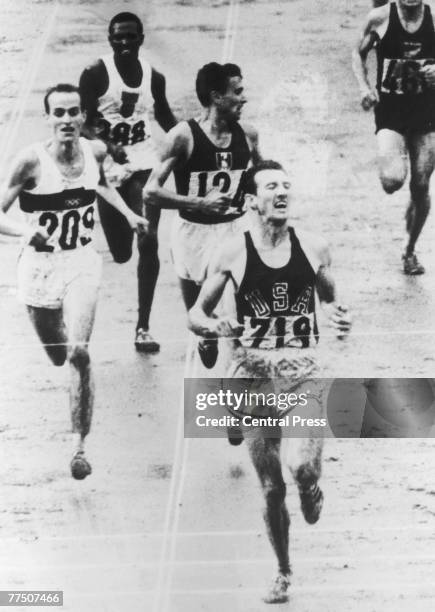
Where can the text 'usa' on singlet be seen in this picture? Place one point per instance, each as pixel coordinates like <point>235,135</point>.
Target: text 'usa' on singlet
<point>210,168</point>
<point>402,54</point>
<point>277,305</point>
<point>62,206</point>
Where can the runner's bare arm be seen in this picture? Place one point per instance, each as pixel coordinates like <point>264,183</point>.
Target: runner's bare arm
<point>252,136</point>
<point>176,151</point>
<point>89,86</point>
<point>162,111</point>
<point>220,272</point>
<point>200,321</point>
<point>367,42</point>
<point>109,193</point>
<point>92,85</point>
<point>22,176</point>
<point>338,314</point>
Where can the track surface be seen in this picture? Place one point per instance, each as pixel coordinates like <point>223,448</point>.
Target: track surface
<point>166,525</point>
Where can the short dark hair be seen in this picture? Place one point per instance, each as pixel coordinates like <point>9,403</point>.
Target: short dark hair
<point>249,184</point>
<point>122,18</point>
<point>61,88</point>
<point>214,77</point>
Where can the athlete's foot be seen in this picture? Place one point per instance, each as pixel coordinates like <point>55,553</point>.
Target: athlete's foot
<point>80,466</point>
<point>311,503</point>
<point>144,342</point>
<point>235,435</point>
<point>411,265</point>
<point>278,590</point>
<point>208,352</point>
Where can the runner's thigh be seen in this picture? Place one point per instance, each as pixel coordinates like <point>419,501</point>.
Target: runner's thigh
<point>81,296</point>
<point>392,158</point>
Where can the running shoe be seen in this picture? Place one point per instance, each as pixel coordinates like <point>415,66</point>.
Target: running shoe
<point>208,352</point>
<point>278,590</point>
<point>411,265</point>
<point>311,502</point>
<point>80,466</point>
<point>144,342</point>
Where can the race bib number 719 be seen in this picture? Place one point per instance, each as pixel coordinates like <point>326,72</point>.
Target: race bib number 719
<point>278,332</point>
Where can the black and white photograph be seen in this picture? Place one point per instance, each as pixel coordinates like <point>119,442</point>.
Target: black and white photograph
<point>217,278</point>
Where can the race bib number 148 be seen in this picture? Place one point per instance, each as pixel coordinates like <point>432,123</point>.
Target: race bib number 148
<point>404,76</point>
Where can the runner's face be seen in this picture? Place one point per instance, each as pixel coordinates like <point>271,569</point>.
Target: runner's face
<point>125,39</point>
<point>65,116</point>
<point>273,195</point>
<point>232,101</point>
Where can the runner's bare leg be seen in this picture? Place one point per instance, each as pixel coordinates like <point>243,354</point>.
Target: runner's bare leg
<point>392,159</point>
<point>79,307</point>
<point>265,455</point>
<point>422,161</point>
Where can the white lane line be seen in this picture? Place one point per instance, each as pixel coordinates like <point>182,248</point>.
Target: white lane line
<point>359,587</point>
<point>229,31</point>
<point>174,531</point>
<point>161,597</point>
<point>174,341</point>
<point>166,566</point>
<point>316,560</point>
<point>27,81</point>
<point>234,31</point>
<point>353,587</point>
<point>210,534</point>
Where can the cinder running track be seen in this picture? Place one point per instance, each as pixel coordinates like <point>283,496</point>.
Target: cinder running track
<point>167,525</point>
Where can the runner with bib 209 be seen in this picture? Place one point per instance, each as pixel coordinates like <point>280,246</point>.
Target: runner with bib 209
<point>56,182</point>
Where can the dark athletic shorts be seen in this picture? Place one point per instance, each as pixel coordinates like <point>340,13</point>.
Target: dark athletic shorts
<point>406,114</point>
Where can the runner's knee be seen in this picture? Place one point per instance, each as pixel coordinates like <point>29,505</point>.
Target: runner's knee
<point>148,244</point>
<point>419,187</point>
<point>57,355</point>
<point>306,476</point>
<point>79,357</point>
<point>392,181</point>
<point>120,259</point>
<point>274,493</point>
<point>122,255</point>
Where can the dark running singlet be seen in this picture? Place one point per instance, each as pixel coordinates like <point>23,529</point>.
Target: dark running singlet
<point>211,167</point>
<point>402,54</point>
<point>277,305</point>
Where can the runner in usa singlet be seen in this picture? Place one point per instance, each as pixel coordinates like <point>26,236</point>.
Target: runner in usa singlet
<point>277,305</point>
<point>63,206</point>
<point>211,167</point>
